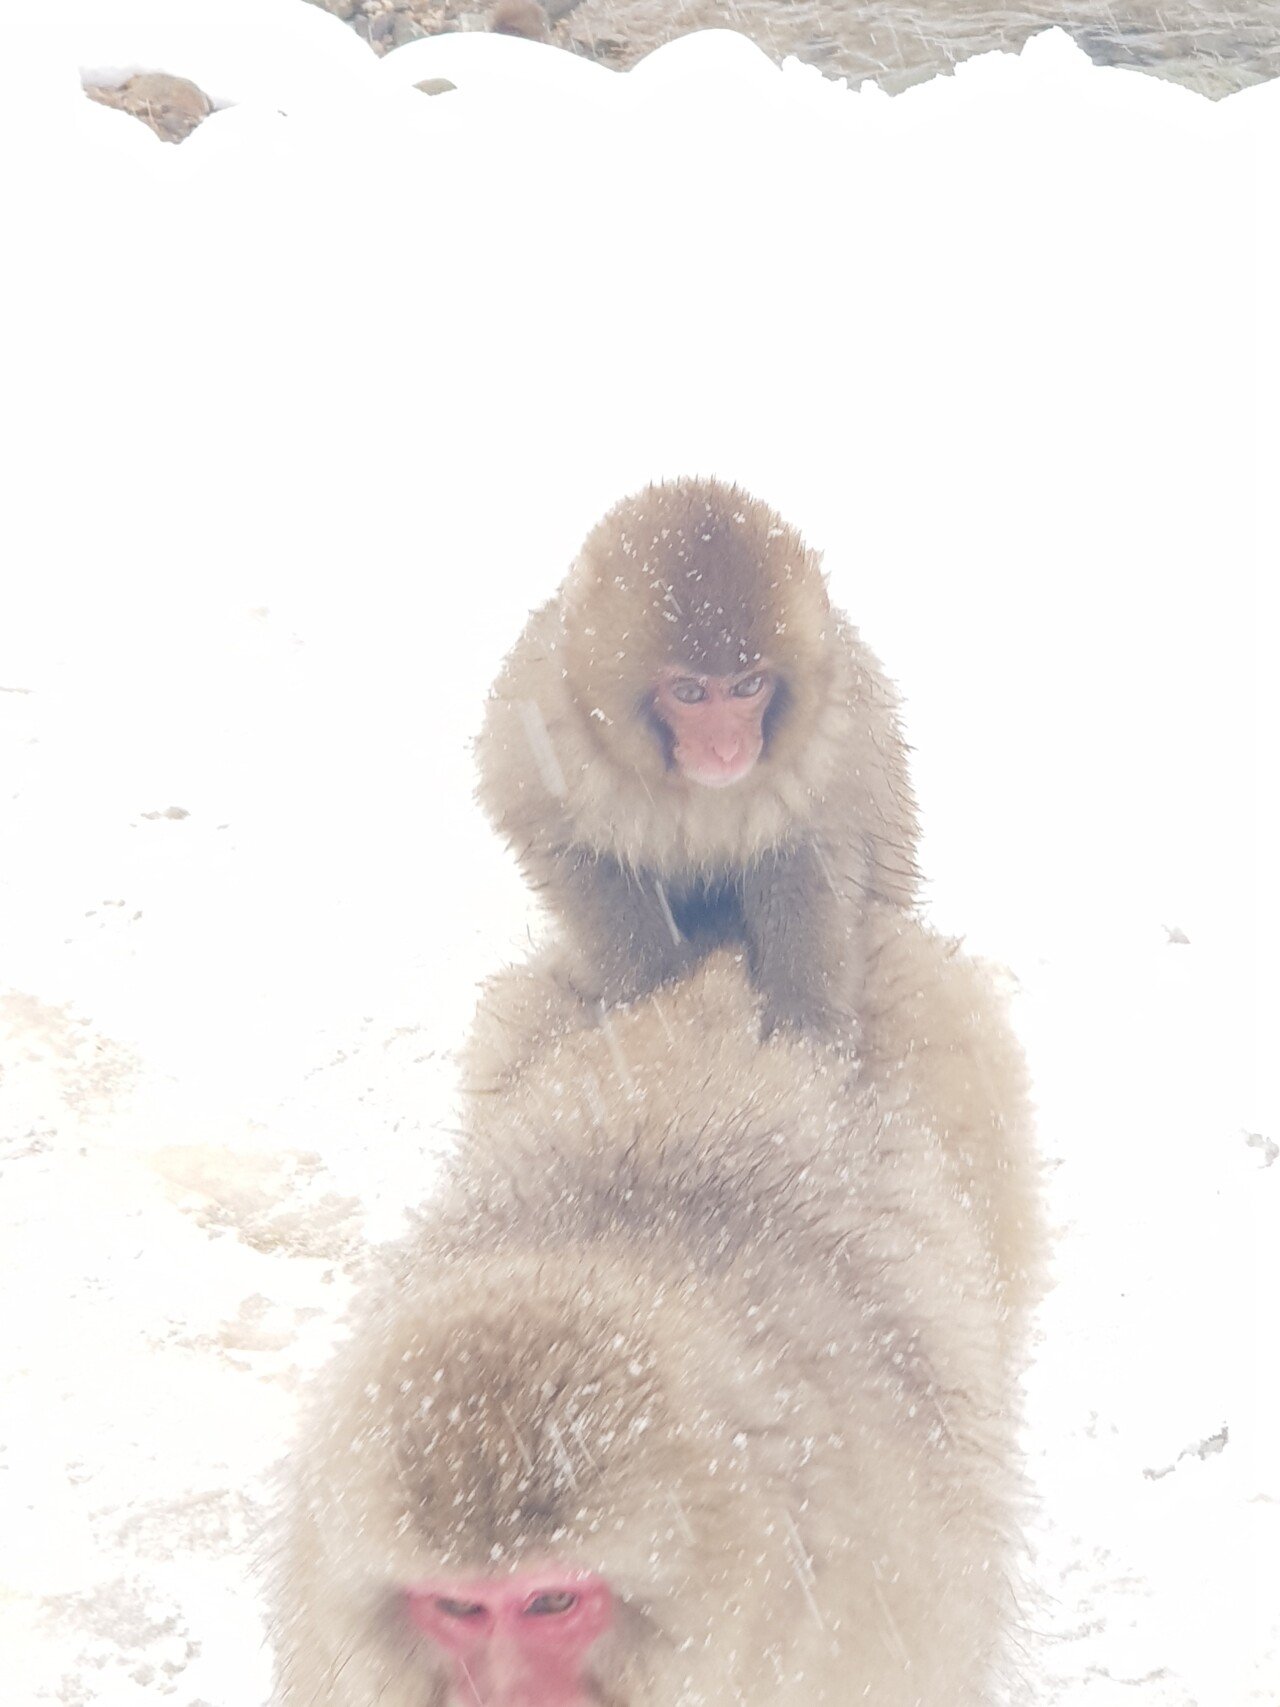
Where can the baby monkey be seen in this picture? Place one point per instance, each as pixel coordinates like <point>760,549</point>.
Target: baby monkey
<point>688,746</point>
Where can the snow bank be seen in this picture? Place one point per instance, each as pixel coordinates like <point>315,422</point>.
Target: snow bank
<point>302,417</point>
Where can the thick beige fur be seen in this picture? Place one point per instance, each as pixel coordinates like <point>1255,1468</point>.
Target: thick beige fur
<point>700,1313</point>
<point>938,1046</point>
<point>574,775</point>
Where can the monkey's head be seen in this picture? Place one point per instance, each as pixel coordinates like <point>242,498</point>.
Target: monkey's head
<point>698,636</point>
<point>541,1480</point>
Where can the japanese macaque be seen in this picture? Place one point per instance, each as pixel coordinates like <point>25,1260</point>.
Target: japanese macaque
<point>696,1386</point>
<point>937,1042</point>
<point>688,746</point>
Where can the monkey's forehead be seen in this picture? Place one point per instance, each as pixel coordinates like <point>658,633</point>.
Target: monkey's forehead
<point>718,633</point>
<point>720,610</point>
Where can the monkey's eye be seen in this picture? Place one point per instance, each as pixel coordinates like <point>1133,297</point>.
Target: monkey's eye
<point>459,1608</point>
<point>548,1605</point>
<point>748,687</point>
<point>688,693</point>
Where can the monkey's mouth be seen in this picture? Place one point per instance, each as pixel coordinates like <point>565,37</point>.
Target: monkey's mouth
<point>720,775</point>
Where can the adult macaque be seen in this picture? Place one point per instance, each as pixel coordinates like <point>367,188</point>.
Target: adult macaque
<point>695,1388</point>
<point>937,1045</point>
<point>689,746</point>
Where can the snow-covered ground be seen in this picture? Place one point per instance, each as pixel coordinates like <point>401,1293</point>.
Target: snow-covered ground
<point>301,417</point>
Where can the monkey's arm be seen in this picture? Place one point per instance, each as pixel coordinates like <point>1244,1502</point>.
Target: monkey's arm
<point>806,941</point>
<point>624,938</point>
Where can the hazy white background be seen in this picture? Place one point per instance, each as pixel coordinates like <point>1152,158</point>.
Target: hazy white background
<point>301,417</point>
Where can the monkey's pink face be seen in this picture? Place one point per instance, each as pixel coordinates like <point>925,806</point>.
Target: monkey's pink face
<point>716,723</point>
<point>516,1641</point>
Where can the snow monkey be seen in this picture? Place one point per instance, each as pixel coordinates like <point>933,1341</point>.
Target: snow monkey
<point>695,1386</point>
<point>687,745</point>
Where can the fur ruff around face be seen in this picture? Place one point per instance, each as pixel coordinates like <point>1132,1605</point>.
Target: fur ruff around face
<point>699,575</point>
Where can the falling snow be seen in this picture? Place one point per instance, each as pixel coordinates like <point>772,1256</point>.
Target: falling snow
<point>296,440</point>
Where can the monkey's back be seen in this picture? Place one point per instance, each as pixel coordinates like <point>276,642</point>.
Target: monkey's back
<point>757,1307</point>
<point>833,1218</point>
<point>669,1124</point>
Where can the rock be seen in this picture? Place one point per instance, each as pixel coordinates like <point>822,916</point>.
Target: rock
<point>171,106</point>
<point>405,28</point>
<point>520,18</point>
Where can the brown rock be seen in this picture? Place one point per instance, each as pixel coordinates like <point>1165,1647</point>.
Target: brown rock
<point>520,18</point>
<point>171,106</point>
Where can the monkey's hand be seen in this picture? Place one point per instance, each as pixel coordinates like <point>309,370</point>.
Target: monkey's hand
<point>625,938</point>
<point>807,952</point>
